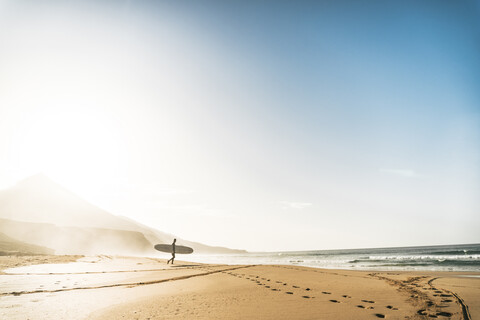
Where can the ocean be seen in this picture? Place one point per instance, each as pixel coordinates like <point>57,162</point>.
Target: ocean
<point>432,258</point>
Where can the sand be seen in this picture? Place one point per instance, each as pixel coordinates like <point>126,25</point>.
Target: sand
<point>105,287</point>
<point>26,260</point>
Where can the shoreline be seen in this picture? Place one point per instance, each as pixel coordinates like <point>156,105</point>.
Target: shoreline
<point>105,287</point>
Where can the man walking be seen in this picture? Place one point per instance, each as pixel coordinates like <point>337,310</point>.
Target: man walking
<point>173,252</point>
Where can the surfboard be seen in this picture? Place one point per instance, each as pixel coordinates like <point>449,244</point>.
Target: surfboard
<point>169,248</point>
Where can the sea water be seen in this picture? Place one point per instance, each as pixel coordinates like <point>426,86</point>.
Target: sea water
<point>434,258</point>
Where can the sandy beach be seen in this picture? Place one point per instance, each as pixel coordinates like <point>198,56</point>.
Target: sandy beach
<point>107,287</point>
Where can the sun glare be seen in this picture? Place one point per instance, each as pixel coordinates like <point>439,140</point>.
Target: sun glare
<point>74,147</point>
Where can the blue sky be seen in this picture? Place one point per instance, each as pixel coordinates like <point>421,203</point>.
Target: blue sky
<point>304,125</point>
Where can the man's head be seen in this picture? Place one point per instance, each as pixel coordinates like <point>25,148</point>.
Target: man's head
<point>174,240</point>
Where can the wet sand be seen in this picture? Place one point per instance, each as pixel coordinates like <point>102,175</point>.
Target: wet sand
<point>104,287</point>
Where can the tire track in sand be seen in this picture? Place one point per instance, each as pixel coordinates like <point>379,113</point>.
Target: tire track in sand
<point>465,311</point>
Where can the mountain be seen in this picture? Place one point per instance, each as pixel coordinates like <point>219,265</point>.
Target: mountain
<point>39,211</point>
<point>10,246</point>
<point>39,199</point>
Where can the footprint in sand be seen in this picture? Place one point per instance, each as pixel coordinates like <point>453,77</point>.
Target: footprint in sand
<point>444,314</point>
<point>267,286</point>
<point>296,287</point>
<point>368,301</point>
<point>308,289</point>
<point>306,297</point>
<point>335,301</point>
<point>360,306</point>
<point>379,315</point>
<point>324,292</point>
<point>345,296</point>
<point>288,292</point>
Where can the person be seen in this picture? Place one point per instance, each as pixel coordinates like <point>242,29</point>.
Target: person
<point>173,252</point>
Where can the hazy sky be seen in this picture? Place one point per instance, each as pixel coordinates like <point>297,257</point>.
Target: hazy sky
<point>263,125</point>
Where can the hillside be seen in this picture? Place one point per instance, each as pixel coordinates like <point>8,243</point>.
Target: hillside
<point>155,236</point>
<point>78,240</point>
<point>10,246</point>
<point>40,211</point>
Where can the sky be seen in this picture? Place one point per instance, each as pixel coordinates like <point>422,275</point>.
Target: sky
<point>260,125</point>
